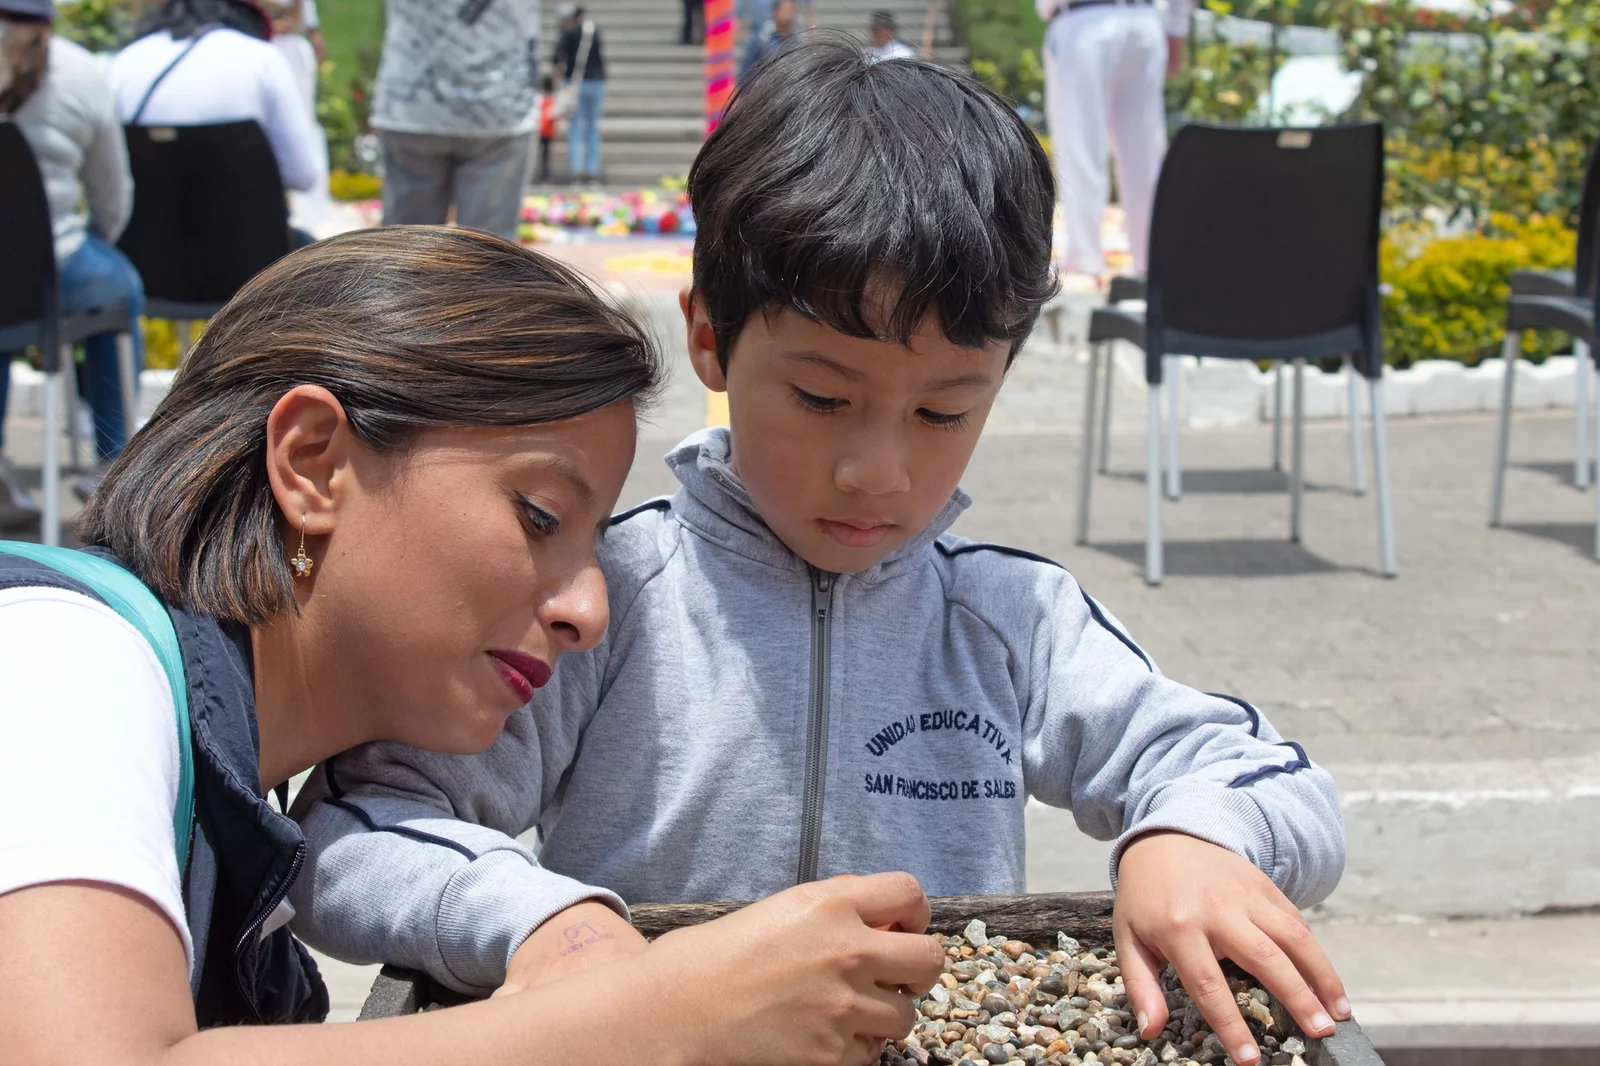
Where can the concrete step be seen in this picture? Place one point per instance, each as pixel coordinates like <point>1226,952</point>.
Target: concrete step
<point>656,128</point>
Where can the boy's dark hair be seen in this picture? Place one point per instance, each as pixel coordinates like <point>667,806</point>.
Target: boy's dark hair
<point>833,182</point>
<point>884,20</point>
<point>547,84</point>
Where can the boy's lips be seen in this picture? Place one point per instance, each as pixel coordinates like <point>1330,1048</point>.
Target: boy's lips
<point>522,672</point>
<point>856,532</point>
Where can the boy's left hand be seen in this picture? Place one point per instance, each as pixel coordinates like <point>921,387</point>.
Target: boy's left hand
<point>1188,902</point>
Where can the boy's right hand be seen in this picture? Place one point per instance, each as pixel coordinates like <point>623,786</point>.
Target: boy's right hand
<point>801,978</point>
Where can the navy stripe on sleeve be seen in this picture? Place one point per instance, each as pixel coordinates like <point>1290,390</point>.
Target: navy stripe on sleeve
<point>1255,715</point>
<point>1300,762</point>
<point>343,804</point>
<point>659,504</point>
<point>1094,608</point>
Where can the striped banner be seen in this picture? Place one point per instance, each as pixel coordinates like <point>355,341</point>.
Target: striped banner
<point>719,59</point>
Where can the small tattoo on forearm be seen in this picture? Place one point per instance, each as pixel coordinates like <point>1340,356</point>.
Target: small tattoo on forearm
<point>581,936</point>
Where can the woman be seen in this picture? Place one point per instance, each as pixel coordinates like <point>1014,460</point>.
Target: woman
<point>580,59</point>
<point>199,62</point>
<point>370,504</point>
<point>58,96</point>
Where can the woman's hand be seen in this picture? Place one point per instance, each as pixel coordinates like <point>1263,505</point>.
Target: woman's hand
<point>585,934</point>
<point>801,978</point>
<point>1185,901</point>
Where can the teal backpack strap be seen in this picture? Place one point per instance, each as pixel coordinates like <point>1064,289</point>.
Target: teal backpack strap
<point>129,597</point>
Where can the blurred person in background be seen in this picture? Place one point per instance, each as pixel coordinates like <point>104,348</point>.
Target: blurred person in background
<point>580,63</point>
<point>694,16</point>
<point>547,125</point>
<point>297,33</point>
<point>778,30</point>
<point>457,111</point>
<point>884,31</point>
<point>1105,64</point>
<point>202,62</point>
<point>58,96</point>
<point>751,19</point>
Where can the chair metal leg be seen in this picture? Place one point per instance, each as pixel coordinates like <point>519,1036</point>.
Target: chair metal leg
<point>1509,353</point>
<point>1358,464</point>
<point>1591,415</point>
<point>69,377</point>
<point>1174,387</point>
<point>50,464</point>
<point>1105,410</point>
<point>182,328</point>
<point>1380,476</point>
<point>1580,462</point>
<point>1277,417</point>
<point>1086,458</point>
<point>1152,486</point>
<point>1597,490</point>
<point>129,378</point>
<point>1297,451</point>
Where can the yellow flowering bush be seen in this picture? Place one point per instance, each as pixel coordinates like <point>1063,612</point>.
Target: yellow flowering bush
<point>161,342</point>
<point>1446,297</point>
<point>347,186</point>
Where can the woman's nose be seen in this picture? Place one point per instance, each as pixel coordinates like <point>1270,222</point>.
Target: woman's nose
<point>578,613</point>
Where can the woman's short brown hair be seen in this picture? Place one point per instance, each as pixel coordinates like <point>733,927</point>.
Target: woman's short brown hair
<point>410,327</point>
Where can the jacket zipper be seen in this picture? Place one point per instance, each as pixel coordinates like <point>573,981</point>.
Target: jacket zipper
<point>817,724</point>
<point>253,930</point>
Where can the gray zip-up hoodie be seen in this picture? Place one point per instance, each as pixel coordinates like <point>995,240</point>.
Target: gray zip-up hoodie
<point>749,723</point>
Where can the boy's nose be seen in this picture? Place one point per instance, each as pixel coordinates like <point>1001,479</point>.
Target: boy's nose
<point>876,467</point>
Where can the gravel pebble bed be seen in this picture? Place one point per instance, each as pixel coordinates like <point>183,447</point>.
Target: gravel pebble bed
<point>1002,1000</point>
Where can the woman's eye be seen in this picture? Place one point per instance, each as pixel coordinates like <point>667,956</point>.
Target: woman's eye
<point>943,421</point>
<point>820,404</point>
<point>538,519</point>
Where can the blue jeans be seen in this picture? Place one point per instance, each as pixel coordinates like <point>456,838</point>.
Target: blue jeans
<point>97,275</point>
<point>583,129</point>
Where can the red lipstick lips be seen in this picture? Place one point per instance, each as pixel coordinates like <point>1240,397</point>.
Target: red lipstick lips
<point>523,672</point>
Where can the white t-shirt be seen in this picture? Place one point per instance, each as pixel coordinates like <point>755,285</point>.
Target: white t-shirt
<point>88,752</point>
<point>228,77</point>
<point>895,49</point>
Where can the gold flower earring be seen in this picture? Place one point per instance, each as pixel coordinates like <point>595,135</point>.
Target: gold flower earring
<point>302,562</point>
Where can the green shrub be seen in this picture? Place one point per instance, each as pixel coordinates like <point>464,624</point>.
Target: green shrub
<point>98,25</point>
<point>1446,296</point>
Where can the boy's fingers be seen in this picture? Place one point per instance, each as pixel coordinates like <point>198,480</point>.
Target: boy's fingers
<point>909,959</point>
<point>1197,967</point>
<point>885,899</point>
<point>1297,941</point>
<point>1257,952</point>
<point>885,1014</point>
<point>1141,974</point>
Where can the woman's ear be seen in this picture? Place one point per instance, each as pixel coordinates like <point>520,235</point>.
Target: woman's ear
<point>309,446</point>
<point>702,342</point>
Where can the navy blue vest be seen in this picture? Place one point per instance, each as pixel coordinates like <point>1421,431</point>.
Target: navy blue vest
<point>244,854</point>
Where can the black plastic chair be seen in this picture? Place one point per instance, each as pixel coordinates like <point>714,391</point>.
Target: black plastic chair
<point>1537,306</point>
<point>30,313</point>
<point>1263,246</point>
<point>209,214</point>
<point>1564,282</point>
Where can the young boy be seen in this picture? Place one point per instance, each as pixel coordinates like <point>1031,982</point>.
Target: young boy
<point>804,674</point>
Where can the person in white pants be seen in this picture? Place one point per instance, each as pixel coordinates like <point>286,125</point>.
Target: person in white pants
<point>1105,63</point>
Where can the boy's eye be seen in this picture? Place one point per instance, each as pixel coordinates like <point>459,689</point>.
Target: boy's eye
<point>537,519</point>
<point>820,404</point>
<point>942,421</point>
